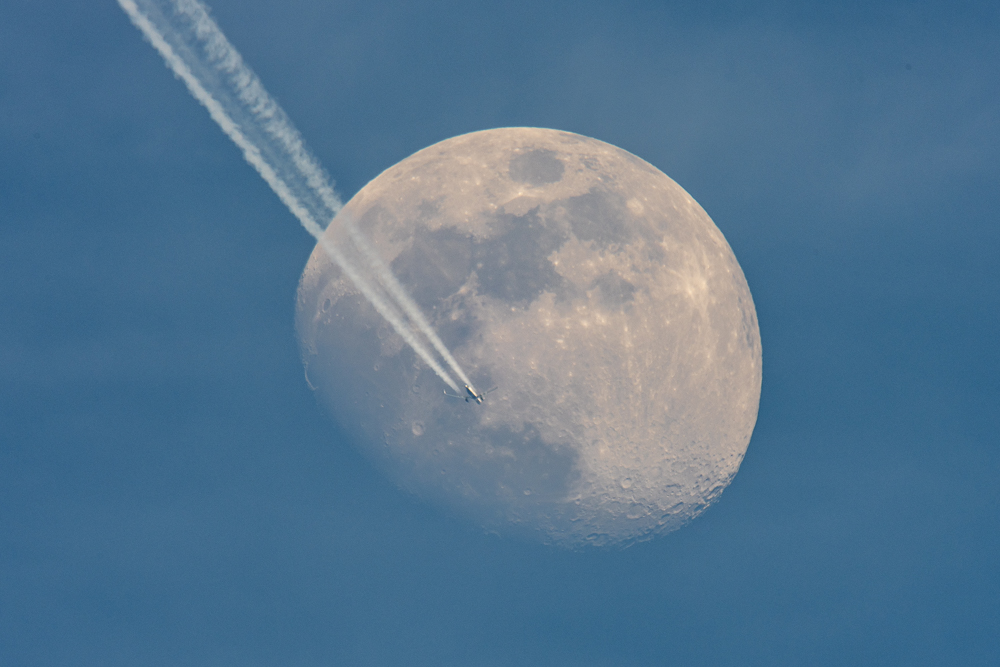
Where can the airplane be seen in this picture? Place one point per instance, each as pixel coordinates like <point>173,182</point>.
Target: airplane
<point>478,398</point>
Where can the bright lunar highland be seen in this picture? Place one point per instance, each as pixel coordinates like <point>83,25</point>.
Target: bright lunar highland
<point>591,290</point>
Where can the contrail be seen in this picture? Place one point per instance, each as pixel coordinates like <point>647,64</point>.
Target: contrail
<point>410,306</point>
<point>199,54</point>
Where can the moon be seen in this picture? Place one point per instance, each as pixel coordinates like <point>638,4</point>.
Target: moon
<point>592,291</point>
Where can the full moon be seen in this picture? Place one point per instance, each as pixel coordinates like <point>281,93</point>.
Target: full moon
<point>591,290</point>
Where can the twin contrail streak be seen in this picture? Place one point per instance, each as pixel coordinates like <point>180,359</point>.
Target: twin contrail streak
<point>214,72</point>
<point>404,299</point>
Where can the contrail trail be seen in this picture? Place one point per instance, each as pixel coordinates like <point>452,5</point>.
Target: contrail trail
<point>411,308</point>
<point>199,54</point>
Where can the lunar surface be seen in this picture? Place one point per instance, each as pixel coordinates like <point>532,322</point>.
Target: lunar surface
<point>592,291</point>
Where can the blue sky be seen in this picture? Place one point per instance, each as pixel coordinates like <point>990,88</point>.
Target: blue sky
<point>170,493</point>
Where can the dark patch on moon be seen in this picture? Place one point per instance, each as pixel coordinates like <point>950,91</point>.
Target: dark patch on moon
<point>456,324</point>
<point>428,209</point>
<point>537,167</point>
<point>600,216</point>
<point>525,465</point>
<point>614,291</point>
<point>514,266</point>
<point>435,266</point>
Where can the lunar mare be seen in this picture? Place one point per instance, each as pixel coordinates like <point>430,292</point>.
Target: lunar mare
<point>586,285</point>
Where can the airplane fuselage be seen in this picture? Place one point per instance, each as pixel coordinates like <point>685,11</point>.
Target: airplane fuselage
<point>470,395</point>
<point>478,398</point>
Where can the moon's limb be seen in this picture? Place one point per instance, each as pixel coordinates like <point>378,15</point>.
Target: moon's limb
<point>589,287</point>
